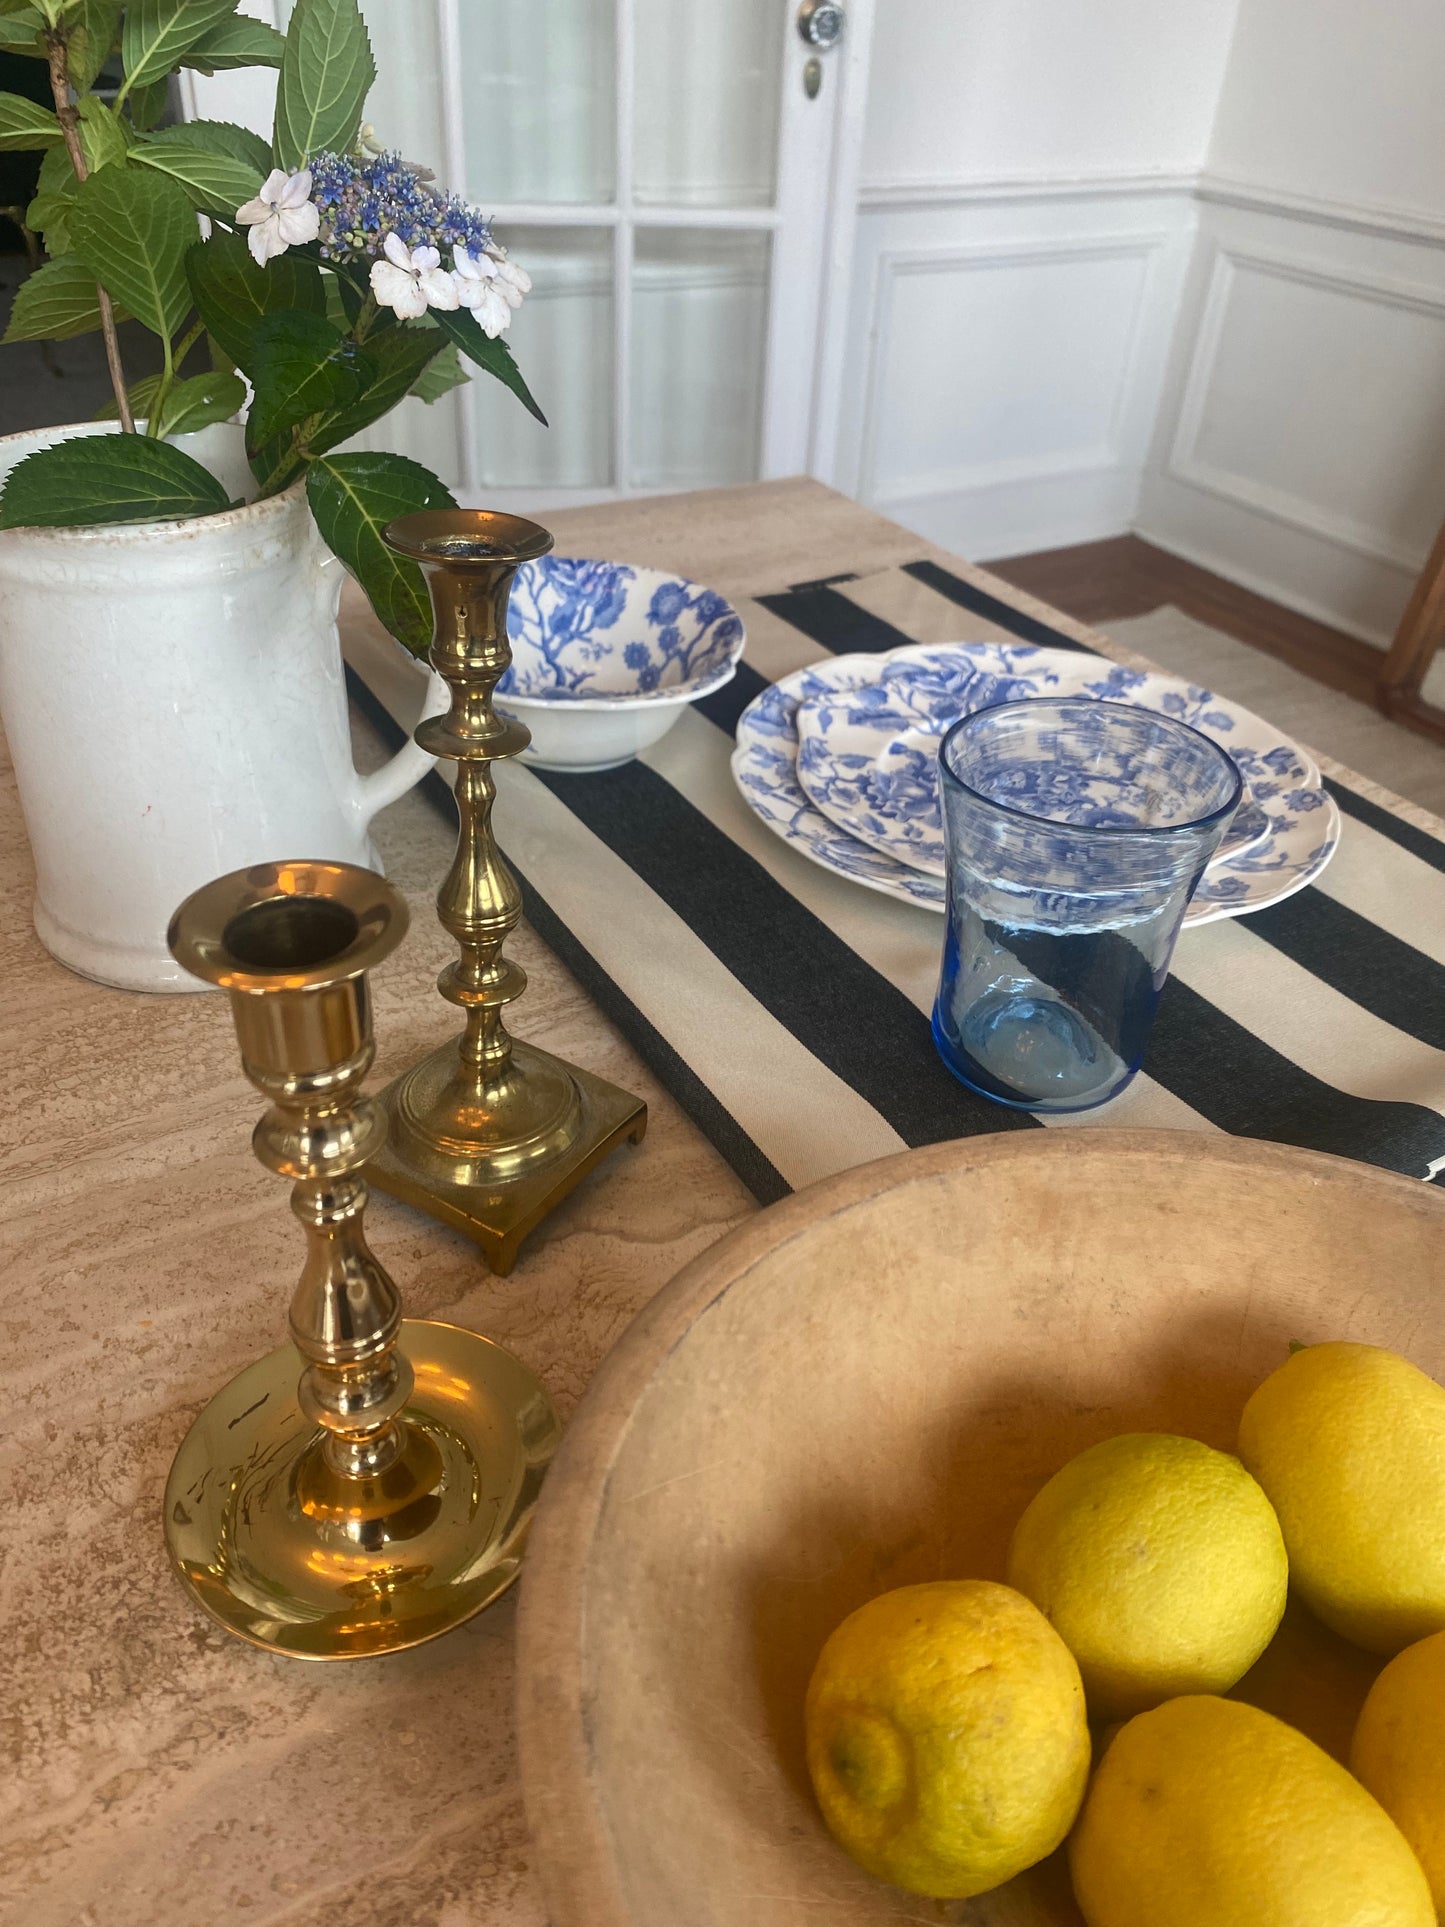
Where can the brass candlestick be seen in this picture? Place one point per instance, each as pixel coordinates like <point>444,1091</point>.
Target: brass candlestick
<point>487,1133</point>
<point>384,1497</point>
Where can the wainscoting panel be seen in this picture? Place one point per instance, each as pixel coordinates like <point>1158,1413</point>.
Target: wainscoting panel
<point>1002,395</point>
<point>1301,443</point>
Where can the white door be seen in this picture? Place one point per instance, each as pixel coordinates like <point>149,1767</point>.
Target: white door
<point>681,187</point>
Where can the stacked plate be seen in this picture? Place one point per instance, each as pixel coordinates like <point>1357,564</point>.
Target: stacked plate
<point>840,759</point>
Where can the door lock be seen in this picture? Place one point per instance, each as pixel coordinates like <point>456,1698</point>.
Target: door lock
<point>820,22</point>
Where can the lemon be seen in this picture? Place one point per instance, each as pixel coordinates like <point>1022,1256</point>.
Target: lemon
<point>1160,1563</point>
<point>1207,1813</point>
<point>1349,1442</point>
<point>1399,1752</point>
<point>946,1737</point>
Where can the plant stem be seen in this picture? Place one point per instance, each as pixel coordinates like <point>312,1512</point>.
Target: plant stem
<point>55,42</point>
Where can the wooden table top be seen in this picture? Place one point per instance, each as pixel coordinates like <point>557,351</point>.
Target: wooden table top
<point>157,1770</point>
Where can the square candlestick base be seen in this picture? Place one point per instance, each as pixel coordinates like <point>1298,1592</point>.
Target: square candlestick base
<point>497,1208</point>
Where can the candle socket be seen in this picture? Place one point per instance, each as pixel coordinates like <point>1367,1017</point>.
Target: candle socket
<point>487,1133</point>
<point>369,1485</point>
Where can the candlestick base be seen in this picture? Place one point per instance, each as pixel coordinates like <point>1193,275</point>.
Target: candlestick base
<point>495,1175</point>
<point>281,1550</point>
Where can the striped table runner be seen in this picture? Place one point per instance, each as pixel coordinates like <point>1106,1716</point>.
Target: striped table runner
<point>787,1009</point>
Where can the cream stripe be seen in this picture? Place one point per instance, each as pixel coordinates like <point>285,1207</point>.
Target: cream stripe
<point>800,1115</point>
<point>902,943</point>
<point>1321,1030</point>
<point>1370,874</point>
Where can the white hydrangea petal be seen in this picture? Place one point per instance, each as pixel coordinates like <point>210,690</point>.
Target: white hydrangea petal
<point>298,224</point>
<point>297,190</point>
<point>517,278</point>
<point>396,250</point>
<point>394,288</point>
<point>438,287</point>
<point>425,259</point>
<point>493,314</point>
<point>265,240</point>
<point>257,210</point>
<point>468,293</point>
<point>274,185</point>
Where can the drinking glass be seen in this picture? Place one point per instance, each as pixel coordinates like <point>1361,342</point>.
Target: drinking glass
<point>1075,832</point>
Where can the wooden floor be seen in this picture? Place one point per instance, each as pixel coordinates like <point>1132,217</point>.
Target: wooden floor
<point>1100,582</point>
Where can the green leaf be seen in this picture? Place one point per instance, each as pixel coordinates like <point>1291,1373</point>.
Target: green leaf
<point>132,230</point>
<point>240,42</point>
<point>103,136</point>
<point>145,105</point>
<point>353,497</point>
<point>107,478</point>
<point>200,400</point>
<point>92,26</point>
<point>55,303</point>
<point>142,395</point>
<point>215,183</point>
<point>220,137</point>
<point>22,32</point>
<point>326,73</point>
<point>494,356</point>
<point>439,377</point>
<point>25,125</point>
<point>234,294</point>
<point>397,361</point>
<point>49,214</point>
<point>301,364</point>
<point>158,32</point>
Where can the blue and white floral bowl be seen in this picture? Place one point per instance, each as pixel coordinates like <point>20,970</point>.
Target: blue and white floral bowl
<point>605,657</point>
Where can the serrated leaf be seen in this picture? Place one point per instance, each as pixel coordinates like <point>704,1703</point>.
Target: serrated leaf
<point>214,183</point>
<point>145,105</point>
<point>326,74</point>
<point>23,32</point>
<point>353,497</point>
<point>493,355</point>
<point>301,364</point>
<point>107,478</point>
<point>103,137</point>
<point>132,229</point>
<point>239,42</point>
<point>440,376</point>
<point>157,32</point>
<point>92,26</point>
<point>25,125</point>
<point>233,294</point>
<point>49,214</point>
<point>397,360</point>
<point>55,303</point>
<point>221,137</point>
<point>200,400</point>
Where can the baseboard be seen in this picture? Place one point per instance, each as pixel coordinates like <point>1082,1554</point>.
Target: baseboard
<point>1016,518</point>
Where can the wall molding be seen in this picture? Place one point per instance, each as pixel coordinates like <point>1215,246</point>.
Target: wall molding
<point>896,265</point>
<point>1219,190</point>
<point>1185,464</point>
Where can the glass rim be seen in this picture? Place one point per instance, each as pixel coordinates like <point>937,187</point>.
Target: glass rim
<point>1151,831</point>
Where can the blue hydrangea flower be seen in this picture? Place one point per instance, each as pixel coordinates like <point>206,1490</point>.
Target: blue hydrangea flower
<point>361,200</point>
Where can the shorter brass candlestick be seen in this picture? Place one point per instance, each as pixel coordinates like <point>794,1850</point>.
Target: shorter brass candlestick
<point>487,1134</point>
<point>369,1485</point>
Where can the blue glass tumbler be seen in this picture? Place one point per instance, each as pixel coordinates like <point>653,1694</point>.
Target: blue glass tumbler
<point>1075,832</point>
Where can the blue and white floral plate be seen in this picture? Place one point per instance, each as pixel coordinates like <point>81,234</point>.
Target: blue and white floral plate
<point>867,756</point>
<point>606,656</point>
<point>1302,833</point>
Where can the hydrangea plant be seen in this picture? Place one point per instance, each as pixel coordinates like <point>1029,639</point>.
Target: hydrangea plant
<point>323,278</point>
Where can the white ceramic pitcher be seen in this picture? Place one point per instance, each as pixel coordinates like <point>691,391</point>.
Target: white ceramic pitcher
<point>175,704</point>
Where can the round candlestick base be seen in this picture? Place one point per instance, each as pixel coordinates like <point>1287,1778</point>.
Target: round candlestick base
<point>281,1551</point>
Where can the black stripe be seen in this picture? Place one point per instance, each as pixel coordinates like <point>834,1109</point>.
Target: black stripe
<point>757,1172</point>
<point>1419,843</point>
<point>1029,628</point>
<point>837,1006</point>
<point>825,581</point>
<point>728,703</point>
<point>1368,965</point>
<point>1247,1088</point>
<point>840,625</point>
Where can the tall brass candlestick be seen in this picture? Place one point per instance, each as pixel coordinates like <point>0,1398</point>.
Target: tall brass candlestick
<point>383,1496</point>
<point>488,1133</point>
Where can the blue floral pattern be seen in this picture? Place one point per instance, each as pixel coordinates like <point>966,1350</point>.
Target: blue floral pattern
<point>583,629</point>
<point>1300,821</point>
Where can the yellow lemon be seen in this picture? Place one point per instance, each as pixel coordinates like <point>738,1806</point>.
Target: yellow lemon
<point>1399,1752</point>
<point>946,1737</point>
<point>1160,1563</point>
<point>1349,1443</point>
<point>1207,1813</point>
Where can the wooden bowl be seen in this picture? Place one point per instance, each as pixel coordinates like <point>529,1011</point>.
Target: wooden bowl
<point>861,1388</point>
